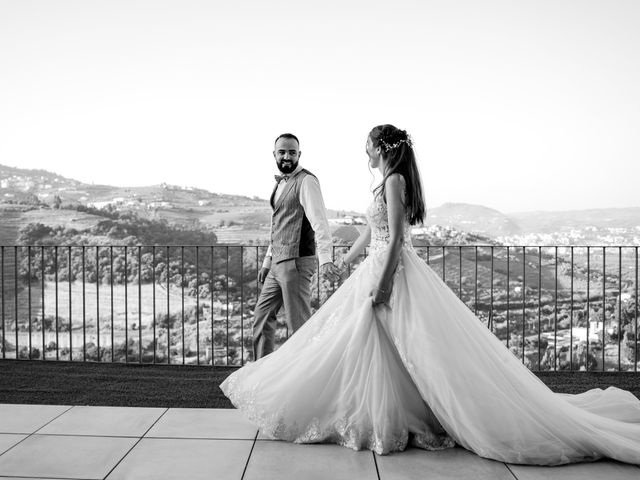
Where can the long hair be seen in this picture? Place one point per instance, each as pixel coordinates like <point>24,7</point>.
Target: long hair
<point>398,152</point>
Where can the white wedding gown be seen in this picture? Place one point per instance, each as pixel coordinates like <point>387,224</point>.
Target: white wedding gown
<point>425,371</point>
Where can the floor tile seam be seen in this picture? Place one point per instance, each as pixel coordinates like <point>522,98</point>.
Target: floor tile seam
<point>246,465</point>
<point>14,445</point>
<point>375,463</point>
<point>55,418</point>
<point>510,471</point>
<point>29,435</point>
<point>233,439</point>
<point>134,445</point>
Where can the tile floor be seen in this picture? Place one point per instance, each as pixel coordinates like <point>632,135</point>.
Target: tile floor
<point>64,442</point>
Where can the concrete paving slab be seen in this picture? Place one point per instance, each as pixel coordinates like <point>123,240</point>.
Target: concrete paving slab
<point>64,456</point>
<point>15,418</point>
<point>104,421</point>
<point>203,423</point>
<point>282,460</point>
<point>38,478</point>
<point>578,471</point>
<point>193,459</point>
<point>452,463</point>
<point>8,440</point>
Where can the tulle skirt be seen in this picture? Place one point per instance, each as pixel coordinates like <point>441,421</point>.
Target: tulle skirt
<point>427,372</point>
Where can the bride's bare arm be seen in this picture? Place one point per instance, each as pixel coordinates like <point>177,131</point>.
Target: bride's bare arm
<point>358,246</point>
<point>394,194</point>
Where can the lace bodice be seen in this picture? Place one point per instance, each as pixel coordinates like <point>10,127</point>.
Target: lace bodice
<point>378,219</point>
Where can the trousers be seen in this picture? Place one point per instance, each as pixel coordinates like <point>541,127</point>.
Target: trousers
<point>287,285</point>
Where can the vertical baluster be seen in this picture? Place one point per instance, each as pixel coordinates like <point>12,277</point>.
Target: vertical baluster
<point>619,305</point>
<point>44,357</point>
<point>126,308</point>
<point>55,268</point>
<point>111,300</point>
<point>490,323</point>
<point>29,297</point>
<point>539,307</point>
<point>168,309</point>
<point>98,302</point>
<point>70,311</point>
<point>139,303</point>
<point>15,296</point>
<point>197,306</point>
<point>241,305</point>
<point>555,315</point>
<point>508,296</point>
<point>258,287</point>
<point>524,303</point>
<point>84,308</point>
<point>227,326</point>
<point>460,272</point>
<point>635,356</point>
<point>213,345</point>
<point>475,283</point>
<point>604,310</point>
<point>588,305</point>
<point>153,294</point>
<point>182,297</point>
<point>4,343</point>
<point>571,323</point>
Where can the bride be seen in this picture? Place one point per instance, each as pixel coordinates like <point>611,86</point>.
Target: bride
<point>394,358</point>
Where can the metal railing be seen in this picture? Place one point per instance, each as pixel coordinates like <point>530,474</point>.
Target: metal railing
<point>555,307</point>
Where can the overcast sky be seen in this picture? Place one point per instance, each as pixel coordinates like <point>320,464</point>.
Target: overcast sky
<point>515,105</point>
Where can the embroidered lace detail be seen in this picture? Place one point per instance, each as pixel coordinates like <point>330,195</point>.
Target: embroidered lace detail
<point>276,426</point>
<point>432,441</point>
<point>378,219</point>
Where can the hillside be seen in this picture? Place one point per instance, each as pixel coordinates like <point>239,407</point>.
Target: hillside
<point>473,218</point>
<point>27,196</point>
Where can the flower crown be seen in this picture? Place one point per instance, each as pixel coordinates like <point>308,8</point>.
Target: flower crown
<point>391,146</point>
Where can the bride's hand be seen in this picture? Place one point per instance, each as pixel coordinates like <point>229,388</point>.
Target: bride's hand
<point>380,296</point>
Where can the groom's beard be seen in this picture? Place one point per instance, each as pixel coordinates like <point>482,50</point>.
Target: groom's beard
<point>287,166</point>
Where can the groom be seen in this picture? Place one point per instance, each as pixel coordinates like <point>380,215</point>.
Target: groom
<point>298,222</point>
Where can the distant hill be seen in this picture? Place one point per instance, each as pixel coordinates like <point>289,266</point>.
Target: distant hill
<point>473,218</point>
<point>548,222</point>
<point>27,196</point>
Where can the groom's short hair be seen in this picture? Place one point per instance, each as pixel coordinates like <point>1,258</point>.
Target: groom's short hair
<point>288,135</point>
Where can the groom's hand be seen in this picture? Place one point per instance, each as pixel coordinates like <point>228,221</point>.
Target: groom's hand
<point>262,274</point>
<point>330,271</point>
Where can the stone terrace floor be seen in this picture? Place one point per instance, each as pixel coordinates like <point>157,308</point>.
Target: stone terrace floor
<point>87,442</point>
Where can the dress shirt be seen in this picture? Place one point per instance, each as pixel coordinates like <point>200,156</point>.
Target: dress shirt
<point>313,205</point>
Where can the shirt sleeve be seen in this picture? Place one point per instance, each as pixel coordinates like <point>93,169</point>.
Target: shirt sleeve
<point>313,204</point>
<point>266,263</point>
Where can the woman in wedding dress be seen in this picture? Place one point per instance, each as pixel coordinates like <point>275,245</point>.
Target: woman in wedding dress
<point>394,358</point>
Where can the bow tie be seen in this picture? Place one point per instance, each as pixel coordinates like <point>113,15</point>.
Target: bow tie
<point>281,177</point>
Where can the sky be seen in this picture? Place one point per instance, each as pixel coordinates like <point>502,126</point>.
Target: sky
<point>514,105</point>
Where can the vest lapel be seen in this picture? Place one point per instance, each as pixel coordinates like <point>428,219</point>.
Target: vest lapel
<point>286,190</point>
<point>273,196</point>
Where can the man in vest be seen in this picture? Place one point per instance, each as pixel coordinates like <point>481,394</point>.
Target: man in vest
<point>299,221</point>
